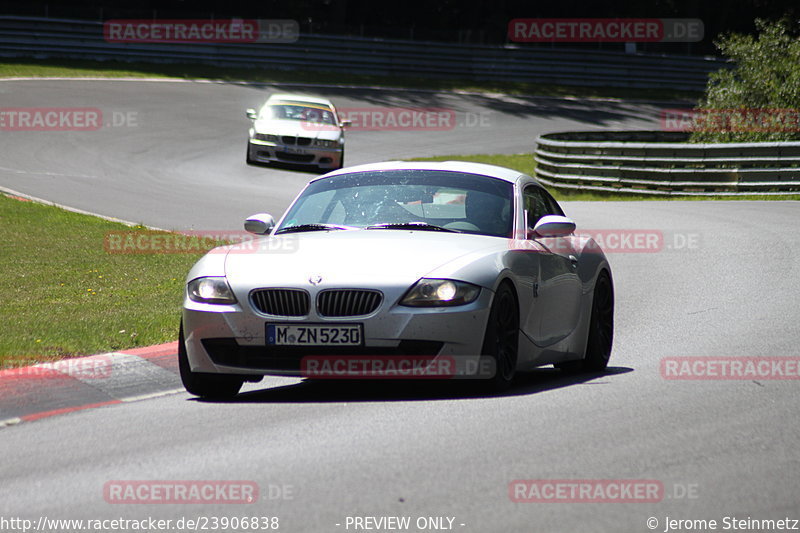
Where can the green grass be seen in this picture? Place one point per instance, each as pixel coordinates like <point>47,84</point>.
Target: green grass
<point>65,295</point>
<point>525,164</point>
<point>119,69</point>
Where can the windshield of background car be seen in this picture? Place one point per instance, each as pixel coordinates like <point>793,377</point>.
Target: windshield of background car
<point>463,202</point>
<point>298,111</point>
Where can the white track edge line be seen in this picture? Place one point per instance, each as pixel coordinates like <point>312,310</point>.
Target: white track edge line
<point>148,396</point>
<point>38,200</point>
<point>10,422</point>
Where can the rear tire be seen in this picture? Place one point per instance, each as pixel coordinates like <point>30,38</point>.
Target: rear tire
<point>212,386</point>
<point>501,342</point>
<point>600,338</point>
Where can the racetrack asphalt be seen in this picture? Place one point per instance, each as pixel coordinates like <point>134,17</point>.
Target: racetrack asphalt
<point>181,154</point>
<point>722,283</point>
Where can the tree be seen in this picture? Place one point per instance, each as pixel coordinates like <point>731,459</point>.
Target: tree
<point>759,98</point>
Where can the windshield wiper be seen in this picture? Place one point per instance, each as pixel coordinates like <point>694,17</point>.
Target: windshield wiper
<point>412,225</point>
<point>311,227</point>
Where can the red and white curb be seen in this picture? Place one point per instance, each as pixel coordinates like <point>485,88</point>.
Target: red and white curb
<point>69,385</point>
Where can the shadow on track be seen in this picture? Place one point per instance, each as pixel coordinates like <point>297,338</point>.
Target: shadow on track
<point>587,110</point>
<point>331,391</point>
<point>282,165</point>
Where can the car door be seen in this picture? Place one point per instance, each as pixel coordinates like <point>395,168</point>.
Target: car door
<point>557,296</point>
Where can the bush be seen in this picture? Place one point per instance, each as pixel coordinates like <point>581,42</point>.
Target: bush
<point>758,99</point>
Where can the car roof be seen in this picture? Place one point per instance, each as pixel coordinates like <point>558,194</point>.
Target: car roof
<point>481,169</point>
<point>298,98</point>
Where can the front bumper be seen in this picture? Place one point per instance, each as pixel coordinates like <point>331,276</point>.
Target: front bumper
<point>265,152</point>
<point>232,339</point>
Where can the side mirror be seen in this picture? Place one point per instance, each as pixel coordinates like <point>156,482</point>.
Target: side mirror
<point>553,226</point>
<point>251,114</point>
<point>260,224</point>
<point>345,123</point>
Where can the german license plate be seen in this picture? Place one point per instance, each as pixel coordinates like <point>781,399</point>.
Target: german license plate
<point>315,334</point>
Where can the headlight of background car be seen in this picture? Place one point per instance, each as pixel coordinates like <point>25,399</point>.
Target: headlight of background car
<point>266,137</point>
<point>324,143</point>
<point>211,291</point>
<point>440,292</point>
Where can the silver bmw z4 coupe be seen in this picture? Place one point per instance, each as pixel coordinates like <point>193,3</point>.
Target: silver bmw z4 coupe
<point>400,270</point>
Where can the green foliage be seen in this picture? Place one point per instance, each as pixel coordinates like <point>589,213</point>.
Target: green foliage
<point>67,291</point>
<point>758,99</point>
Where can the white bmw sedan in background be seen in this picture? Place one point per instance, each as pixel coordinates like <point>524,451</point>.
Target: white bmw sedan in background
<point>432,262</point>
<point>296,129</point>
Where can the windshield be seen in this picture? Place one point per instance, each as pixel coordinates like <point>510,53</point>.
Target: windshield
<point>461,202</point>
<point>298,111</point>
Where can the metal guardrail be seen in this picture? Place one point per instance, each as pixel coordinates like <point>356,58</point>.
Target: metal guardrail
<point>46,38</point>
<point>663,163</point>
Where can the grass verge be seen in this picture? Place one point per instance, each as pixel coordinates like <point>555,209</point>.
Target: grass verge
<point>65,295</point>
<point>525,164</point>
<point>35,68</point>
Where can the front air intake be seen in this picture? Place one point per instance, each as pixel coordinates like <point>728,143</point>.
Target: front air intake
<point>281,302</point>
<point>348,302</point>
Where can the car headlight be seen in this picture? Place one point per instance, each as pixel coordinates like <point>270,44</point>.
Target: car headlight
<point>211,291</point>
<point>440,292</point>
<point>265,137</point>
<point>324,143</point>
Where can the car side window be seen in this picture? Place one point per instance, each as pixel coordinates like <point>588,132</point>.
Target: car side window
<point>553,206</point>
<point>538,204</point>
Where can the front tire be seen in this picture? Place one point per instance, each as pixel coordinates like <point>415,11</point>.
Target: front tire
<point>212,386</point>
<point>341,160</point>
<point>501,341</point>
<point>600,338</point>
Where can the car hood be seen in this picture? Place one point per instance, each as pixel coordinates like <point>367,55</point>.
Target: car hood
<point>297,128</point>
<point>353,258</point>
